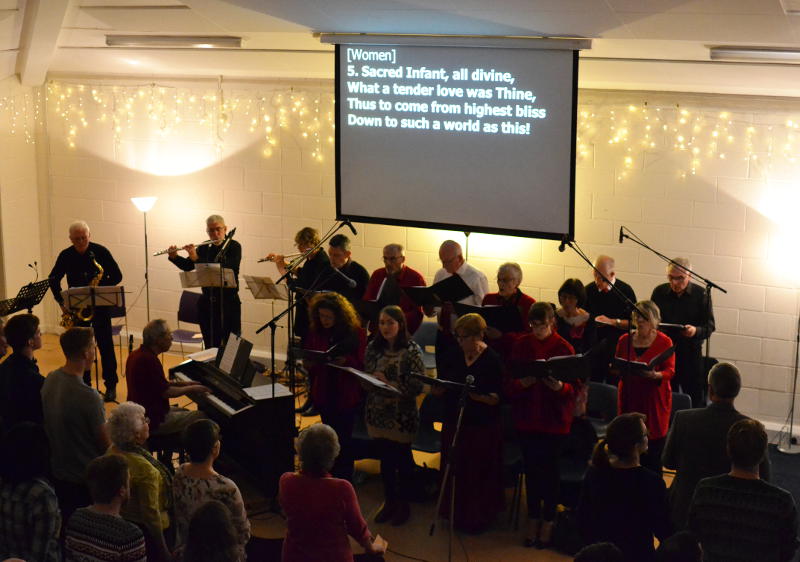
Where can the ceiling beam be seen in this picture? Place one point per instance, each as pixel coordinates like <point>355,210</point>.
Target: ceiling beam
<point>40,30</point>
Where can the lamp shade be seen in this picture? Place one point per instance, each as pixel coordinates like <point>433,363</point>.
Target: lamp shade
<point>144,204</point>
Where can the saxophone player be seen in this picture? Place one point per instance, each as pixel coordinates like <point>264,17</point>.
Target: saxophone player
<point>79,263</point>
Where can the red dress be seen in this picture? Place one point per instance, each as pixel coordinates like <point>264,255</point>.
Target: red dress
<point>650,397</point>
<point>334,390</point>
<point>406,278</point>
<point>523,303</point>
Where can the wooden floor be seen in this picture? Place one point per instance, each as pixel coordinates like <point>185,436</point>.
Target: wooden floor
<point>410,540</point>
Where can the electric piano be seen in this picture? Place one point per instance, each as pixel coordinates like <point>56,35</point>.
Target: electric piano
<point>257,428</point>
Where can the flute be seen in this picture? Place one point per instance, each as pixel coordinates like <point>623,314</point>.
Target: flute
<point>162,252</point>
<point>284,257</point>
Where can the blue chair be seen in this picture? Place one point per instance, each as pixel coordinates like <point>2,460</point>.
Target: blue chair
<point>680,401</point>
<point>188,313</point>
<point>425,336</point>
<point>601,406</point>
<point>116,329</point>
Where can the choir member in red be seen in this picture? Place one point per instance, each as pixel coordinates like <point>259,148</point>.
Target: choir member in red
<point>575,325</point>
<point>509,277</point>
<point>478,459</point>
<point>335,328</point>
<point>647,392</point>
<point>542,410</point>
<point>387,282</point>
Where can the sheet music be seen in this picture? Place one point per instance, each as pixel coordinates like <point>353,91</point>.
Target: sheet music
<point>265,391</point>
<point>229,354</point>
<point>204,355</point>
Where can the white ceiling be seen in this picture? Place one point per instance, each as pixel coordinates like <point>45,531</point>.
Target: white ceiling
<point>638,44</point>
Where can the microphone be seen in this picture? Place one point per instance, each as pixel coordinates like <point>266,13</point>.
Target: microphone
<point>621,236</point>
<point>470,380</point>
<point>350,282</point>
<point>351,227</point>
<point>563,244</point>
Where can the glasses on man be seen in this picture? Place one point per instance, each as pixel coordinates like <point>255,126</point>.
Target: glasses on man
<point>392,258</point>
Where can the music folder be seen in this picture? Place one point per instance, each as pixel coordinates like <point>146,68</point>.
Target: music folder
<point>638,367</point>
<point>504,318</point>
<point>451,289</point>
<point>207,275</point>
<point>565,368</point>
<point>319,356</point>
<point>441,383</point>
<point>371,381</point>
<point>370,309</point>
<point>265,288</point>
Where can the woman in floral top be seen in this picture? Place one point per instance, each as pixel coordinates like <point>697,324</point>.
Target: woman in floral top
<point>196,482</point>
<point>392,419</point>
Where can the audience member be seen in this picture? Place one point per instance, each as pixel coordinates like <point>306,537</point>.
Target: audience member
<point>150,482</point>
<point>680,547</point>
<point>196,482</point>
<point>29,516</point>
<point>20,380</point>
<point>621,501</point>
<point>211,535</point>
<point>696,443</point>
<point>385,286</point>
<point>98,533</point>
<point>738,516</point>
<point>74,418</point>
<point>599,552</point>
<point>321,511</point>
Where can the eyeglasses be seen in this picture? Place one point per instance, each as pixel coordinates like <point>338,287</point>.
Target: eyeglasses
<point>539,325</point>
<point>676,277</point>
<point>506,279</point>
<point>462,337</point>
<point>392,258</point>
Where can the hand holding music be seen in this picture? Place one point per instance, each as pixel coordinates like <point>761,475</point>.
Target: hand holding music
<point>377,546</point>
<point>603,319</point>
<point>527,382</point>
<point>652,375</point>
<point>689,331</point>
<point>380,376</point>
<point>341,361</point>
<point>553,384</point>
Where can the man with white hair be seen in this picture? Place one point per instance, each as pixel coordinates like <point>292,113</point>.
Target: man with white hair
<point>78,263</point>
<point>217,319</point>
<point>684,303</point>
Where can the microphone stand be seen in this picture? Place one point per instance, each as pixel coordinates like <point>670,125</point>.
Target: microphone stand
<point>220,259</point>
<point>450,471</point>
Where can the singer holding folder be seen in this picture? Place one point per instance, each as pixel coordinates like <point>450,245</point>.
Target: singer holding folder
<point>509,278</point>
<point>648,392</point>
<point>231,305</point>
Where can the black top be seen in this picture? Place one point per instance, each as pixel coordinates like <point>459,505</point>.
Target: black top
<point>609,304</point>
<point>207,253</point>
<point>80,269</point>
<point>311,277</point>
<point>690,307</point>
<point>354,271</point>
<point>20,391</point>
<point>625,506</point>
<point>488,373</point>
<point>580,339</point>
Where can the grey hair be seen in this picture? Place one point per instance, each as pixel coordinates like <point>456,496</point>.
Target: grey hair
<point>78,225</point>
<point>512,267</point>
<point>395,248</point>
<point>598,261</point>
<point>215,218</point>
<point>683,264</point>
<point>124,423</point>
<point>317,446</point>
<point>651,313</point>
<point>154,330</point>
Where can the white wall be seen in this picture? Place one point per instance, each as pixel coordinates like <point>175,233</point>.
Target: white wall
<point>724,217</point>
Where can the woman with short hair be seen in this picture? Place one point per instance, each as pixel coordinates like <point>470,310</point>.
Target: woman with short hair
<point>509,278</point>
<point>577,327</point>
<point>321,511</point>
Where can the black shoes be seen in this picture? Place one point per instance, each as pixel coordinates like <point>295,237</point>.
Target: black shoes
<point>385,513</point>
<point>401,514</point>
<point>111,394</point>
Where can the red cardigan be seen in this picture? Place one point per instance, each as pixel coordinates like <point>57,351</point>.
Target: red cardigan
<point>333,390</point>
<point>537,408</point>
<point>406,278</point>
<point>505,343</point>
<point>646,396</point>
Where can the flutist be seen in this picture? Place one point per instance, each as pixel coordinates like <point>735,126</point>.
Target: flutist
<point>212,323</point>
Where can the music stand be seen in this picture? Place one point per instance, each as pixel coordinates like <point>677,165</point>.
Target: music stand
<point>265,288</point>
<point>208,275</point>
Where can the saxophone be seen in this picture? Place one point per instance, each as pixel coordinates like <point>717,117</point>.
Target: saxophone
<point>86,313</point>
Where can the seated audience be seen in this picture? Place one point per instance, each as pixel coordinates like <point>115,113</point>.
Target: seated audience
<point>20,380</point>
<point>680,547</point>
<point>739,517</point>
<point>151,483</point>
<point>148,386</point>
<point>211,535</point>
<point>98,533</point>
<point>321,511</point>
<point>74,418</point>
<point>599,552</point>
<point>509,277</point>
<point>621,501</point>
<point>29,516</point>
<point>196,482</point>
<point>696,443</point>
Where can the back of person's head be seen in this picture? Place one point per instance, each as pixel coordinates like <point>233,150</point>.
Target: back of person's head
<point>105,477</point>
<point>623,434</point>
<point>599,552</point>
<point>154,331</point>
<point>747,443</point>
<point>20,329</point>
<point>75,341</point>
<point>317,447</point>
<point>725,381</point>
<point>541,312</point>
<point>683,546</point>
<point>26,453</point>
<point>211,536</point>
<point>199,439</point>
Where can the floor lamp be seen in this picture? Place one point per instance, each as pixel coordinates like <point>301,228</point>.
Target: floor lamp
<point>144,204</point>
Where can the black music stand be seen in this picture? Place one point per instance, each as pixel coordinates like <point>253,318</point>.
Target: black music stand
<point>28,296</point>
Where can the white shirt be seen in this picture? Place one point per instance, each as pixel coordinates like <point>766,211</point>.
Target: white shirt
<point>475,280</point>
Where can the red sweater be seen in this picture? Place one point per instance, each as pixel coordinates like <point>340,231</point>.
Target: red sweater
<point>505,343</point>
<point>334,390</point>
<point>537,408</point>
<point>649,397</point>
<point>320,513</point>
<point>406,278</point>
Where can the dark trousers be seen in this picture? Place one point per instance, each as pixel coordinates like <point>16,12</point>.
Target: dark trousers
<point>397,468</point>
<point>540,454</point>
<point>342,423</point>
<point>71,496</point>
<point>445,341</point>
<point>652,458</point>
<point>101,324</point>
<point>214,331</point>
<point>689,376</point>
